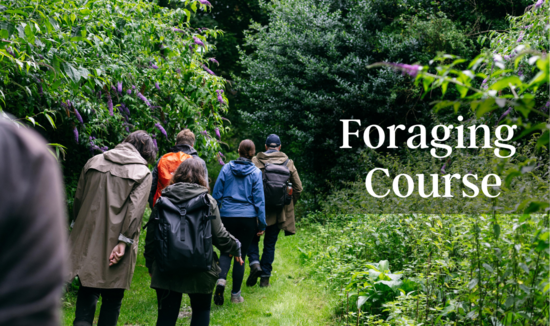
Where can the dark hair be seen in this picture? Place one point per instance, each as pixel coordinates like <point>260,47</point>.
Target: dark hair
<point>247,149</point>
<point>190,171</point>
<point>144,145</point>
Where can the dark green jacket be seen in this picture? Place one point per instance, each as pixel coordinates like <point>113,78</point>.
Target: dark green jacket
<point>203,282</point>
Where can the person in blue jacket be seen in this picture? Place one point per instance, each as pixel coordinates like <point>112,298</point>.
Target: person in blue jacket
<point>239,192</point>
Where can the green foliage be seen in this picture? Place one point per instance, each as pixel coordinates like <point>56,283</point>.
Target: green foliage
<point>309,70</point>
<point>105,68</point>
<point>456,269</point>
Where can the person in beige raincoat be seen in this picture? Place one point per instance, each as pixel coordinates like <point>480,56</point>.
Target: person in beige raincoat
<point>276,218</point>
<point>108,208</point>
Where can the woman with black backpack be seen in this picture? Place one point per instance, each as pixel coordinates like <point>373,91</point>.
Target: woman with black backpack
<point>177,243</point>
<point>239,192</point>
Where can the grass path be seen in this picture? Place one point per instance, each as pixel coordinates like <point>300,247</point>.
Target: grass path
<point>293,299</point>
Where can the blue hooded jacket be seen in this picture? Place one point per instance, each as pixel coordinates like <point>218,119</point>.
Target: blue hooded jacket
<point>239,191</point>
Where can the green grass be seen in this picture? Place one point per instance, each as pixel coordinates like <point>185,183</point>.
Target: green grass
<point>292,299</point>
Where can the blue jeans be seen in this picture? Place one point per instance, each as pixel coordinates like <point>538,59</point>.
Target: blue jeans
<point>268,256</point>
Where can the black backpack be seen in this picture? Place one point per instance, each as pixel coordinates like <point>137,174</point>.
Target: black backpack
<point>275,178</point>
<point>183,235</point>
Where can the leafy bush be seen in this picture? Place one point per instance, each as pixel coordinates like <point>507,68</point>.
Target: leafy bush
<point>456,269</point>
<point>101,69</point>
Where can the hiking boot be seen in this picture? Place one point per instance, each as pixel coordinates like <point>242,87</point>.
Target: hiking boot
<point>255,272</point>
<point>237,298</point>
<point>218,294</point>
<point>264,282</point>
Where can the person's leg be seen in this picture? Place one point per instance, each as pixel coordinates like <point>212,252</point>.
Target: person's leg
<point>225,262</point>
<point>200,307</point>
<point>246,234</point>
<point>86,301</point>
<point>254,259</point>
<point>111,300</point>
<point>268,255</point>
<point>169,303</point>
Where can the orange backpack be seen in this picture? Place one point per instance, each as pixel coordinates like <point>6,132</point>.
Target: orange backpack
<point>166,167</point>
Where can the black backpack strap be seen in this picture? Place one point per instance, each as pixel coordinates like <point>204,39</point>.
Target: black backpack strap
<point>210,215</point>
<point>183,212</point>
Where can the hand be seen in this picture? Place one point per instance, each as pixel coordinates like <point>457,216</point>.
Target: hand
<point>117,253</point>
<point>238,259</point>
<point>260,233</point>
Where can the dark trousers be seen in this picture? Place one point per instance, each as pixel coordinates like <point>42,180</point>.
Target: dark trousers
<point>244,229</point>
<point>86,303</point>
<point>268,256</point>
<point>169,303</point>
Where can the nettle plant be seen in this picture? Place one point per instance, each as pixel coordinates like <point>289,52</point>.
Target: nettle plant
<point>97,70</point>
<point>507,83</point>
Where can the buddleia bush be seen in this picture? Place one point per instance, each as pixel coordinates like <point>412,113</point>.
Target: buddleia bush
<point>90,72</point>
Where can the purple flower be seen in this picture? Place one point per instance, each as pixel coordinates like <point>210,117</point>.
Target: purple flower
<point>528,26</point>
<point>75,132</point>
<point>545,107</point>
<point>113,88</point>
<point>205,2</point>
<point>208,70</point>
<point>178,70</point>
<point>127,129</point>
<point>129,91</point>
<point>161,129</point>
<point>198,41</point>
<point>520,73</point>
<point>78,116</point>
<point>10,51</point>
<point>41,56</point>
<point>484,81</point>
<point>119,87</point>
<point>221,154</point>
<point>214,60</point>
<point>154,66</point>
<point>110,103</point>
<point>220,98</point>
<point>104,148</point>
<point>178,30</point>
<point>144,99</point>
<point>221,161</point>
<point>443,168</point>
<point>520,37</point>
<point>504,114</point>
<point>217,130</point>
<point>154,142</point>
<point>506,57</point>
<point>539,3</point>
<point>157,86</point>
<point>411,70</point>
<point>133,86</point>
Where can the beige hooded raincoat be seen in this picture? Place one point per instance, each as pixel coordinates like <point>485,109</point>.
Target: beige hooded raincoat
<point>108,207</point>
<point>284,217</point>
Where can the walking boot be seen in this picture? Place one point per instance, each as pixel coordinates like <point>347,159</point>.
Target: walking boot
<point>264,282</point>
<point>218,294</point>
<point>255,272</point>
<point>236,297</point>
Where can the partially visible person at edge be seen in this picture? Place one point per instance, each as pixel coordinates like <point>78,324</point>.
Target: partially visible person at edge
<point>183,149</point>
<point>32,229</point>
<point>108,208</point>
<point>188,182</point>
<point>239,192</point>
<point>277,218</point>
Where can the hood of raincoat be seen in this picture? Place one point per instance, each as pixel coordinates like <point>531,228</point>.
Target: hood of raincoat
<point>241,168</point>
<point>273,157</point>
<point>124,153</point>
<point>182,191</point>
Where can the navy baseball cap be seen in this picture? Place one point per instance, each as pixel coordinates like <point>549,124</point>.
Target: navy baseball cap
<point>273,141</point>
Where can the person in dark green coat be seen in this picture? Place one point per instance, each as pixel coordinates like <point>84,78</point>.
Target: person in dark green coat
<point>188,182</point>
